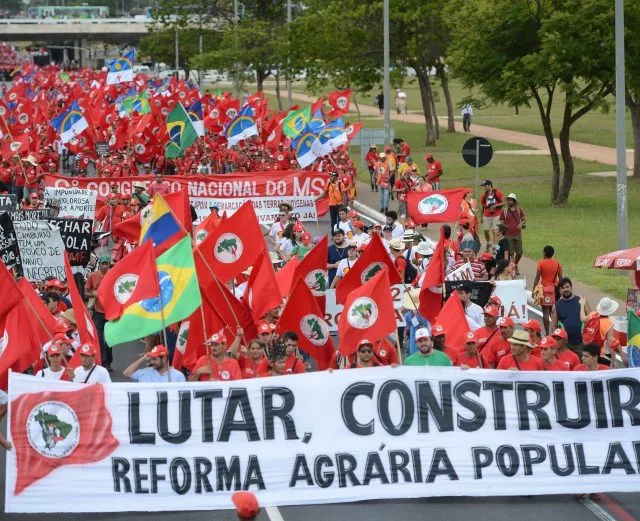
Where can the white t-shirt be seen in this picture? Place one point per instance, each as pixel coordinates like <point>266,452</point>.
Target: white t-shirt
<point>286,246</point>
<point>99,376</point>
<point>277,229</point>
<point>398,231</point>
<point>475,316</point>
<point>49,374</point>
<point>344,266</point>
<point>346,228</point>
<point>360,239</point>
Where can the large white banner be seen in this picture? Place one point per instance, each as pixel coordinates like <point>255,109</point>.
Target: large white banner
<point>513,295</point>
<point>41,250</point>
<point>72,202</point>
<point>348,435</point>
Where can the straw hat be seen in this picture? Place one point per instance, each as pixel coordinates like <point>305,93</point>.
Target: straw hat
<point>70,315</point>
<point>411,300</point>
<point>520,337</point>
<point>396,244</point>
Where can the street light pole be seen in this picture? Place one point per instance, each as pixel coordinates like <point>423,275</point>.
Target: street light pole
<point>289,88</point>
<point>621,130</point>
<point>237,74</point>
<point>386,64</point>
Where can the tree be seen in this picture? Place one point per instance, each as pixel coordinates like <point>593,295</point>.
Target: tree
<point>632,65</point>
<point>540,51</point>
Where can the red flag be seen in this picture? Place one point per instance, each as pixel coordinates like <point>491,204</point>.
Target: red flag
<point>207,226</point>
<point>285,277</point>
<point>352,130</point>
<point>435,207</point>
<point>228,109</point>
<point>372,260</point>
<point>52,429</point>
<point>233,246</point>
<point>86,328</point>
<point>262,293</point>
<point>132,279</point>
<point>45,322</point>
<point>317,105</point>
<point>454,320</point>
<point>368,314</point>
<point>11,294</point>
<point>18,145</point>
<point>431,290</point>
<point>129,229</point>
<point>302,315</point>
<point>313,269</point>
<point>339,101</point>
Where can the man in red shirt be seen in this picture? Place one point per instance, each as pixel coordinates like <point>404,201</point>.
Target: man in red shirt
<point>519,359</point>
<point>488,334</point>
<point>500,348</point>
<point>563,353</point>
<point>491,202</point>
<point>364,356</point>
<point>159,186</point>
<point>91,292</point>
<point>215,365</point>
<point>403,185</point>
<point>293,362</point>
<point>111,213</point>
<point>513,217</point>
<point>438,336</point>
<point>590,354</point>
<point>470,357</point>
<point>434,171</point>
<point>550,362</point>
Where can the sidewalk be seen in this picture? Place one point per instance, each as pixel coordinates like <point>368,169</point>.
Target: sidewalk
<point>604,155</point>
<point>527,265</point>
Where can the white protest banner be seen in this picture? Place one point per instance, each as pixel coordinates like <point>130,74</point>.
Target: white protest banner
<point>333,309</point>
<point>41,250</point>
<point>267,208</point>
<point>513,295</point>
<point>464,272</point>
<point>403,432</point>
<point>72,202</point>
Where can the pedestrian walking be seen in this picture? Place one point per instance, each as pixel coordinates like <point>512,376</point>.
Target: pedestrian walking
<point>467,113</point>
<point>514,218</point>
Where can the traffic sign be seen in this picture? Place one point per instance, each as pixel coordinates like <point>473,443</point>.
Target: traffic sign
<point>477,152</point>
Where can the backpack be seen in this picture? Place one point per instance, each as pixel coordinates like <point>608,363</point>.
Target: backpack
<point>410,272</point>
<point>591,332</point>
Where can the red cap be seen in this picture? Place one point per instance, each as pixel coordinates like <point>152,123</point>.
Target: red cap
<point>506,322</point>
<point>264,327</point>
<point>485,256</point>
<point>88,349</point>
<point>298,227</point>
<point>494,299</point>
<point>306,238</point>
<point>470,337</point>
<point>352,213</point>
<point>246,504</point>
<point>429,156</point>
<point>359,224</point>
<point>533,326</point>
<point>547,342</point>
<point>408,223</point>
<point>54,349</point>
<point>61,337</point>
<point>54,283</point>
<point>437,330</point>
<point>491,310</point>
<point>216,338</point>
<point>560,333</point>
<point>158,351</point>
<point>364,342</point>
<point>62,326</point>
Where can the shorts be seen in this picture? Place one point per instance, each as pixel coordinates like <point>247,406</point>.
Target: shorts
<point>515,244</point>
<point>490,223</point>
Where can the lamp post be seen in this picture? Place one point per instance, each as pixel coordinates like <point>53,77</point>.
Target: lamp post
<point>621,132</point>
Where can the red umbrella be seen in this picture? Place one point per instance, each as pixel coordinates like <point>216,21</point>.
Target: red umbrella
<point>620,260</point>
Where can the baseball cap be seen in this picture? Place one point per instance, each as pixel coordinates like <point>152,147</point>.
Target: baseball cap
<point>217,338</point>
<point>359,224</point>
<point>491,310</point>
<point>306,238</point>
<point>387,229</point>
<point>487,182</point>
<point>532,325</point>
<point>351,245</point>
<point>423,332</point>
<point>438,330</point>
<point>352,213</point>
<point>158,351</point>
<point>364,342</point>
<point>88,349</point>
<point>506,322</point>
<point>54,349</point>
<point>560,333</point>
<point>547,342</point>
<point>246,504</point>
<point>429,156</point>
<point>338,231</point>
<point>55,283</point>
<point>265,327</point>
<point>298,227</point>
<point>470,337</point>
<point>409,223</point>
<point>464,286</point>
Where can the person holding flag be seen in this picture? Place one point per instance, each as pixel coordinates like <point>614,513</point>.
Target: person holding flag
<point>215,365</point>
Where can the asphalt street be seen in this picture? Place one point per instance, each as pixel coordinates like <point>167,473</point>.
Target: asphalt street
<point>612,507</point>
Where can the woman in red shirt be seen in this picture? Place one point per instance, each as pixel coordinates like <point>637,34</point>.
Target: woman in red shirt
<point>548,274</point>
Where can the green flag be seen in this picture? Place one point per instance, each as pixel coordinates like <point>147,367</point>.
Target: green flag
<point>633,329</point>
<point>179,297</point>
<point>295,121</point>
<point>181,132</point>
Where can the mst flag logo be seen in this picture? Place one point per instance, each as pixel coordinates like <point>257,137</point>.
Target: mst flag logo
<point>124,287</point>
<point>201,235</point>
<point>314,329</point>
<point>362,313</point>
<point>53,429</point>
<point>317,281</point>
<point>183,336</point>
<point>433,205</point>
<point>370,271</point>
<point>228,248</point>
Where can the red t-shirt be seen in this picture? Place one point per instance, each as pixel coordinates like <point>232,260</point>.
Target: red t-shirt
<point>558,365</point>
<point>549,270</point>
<point>293,366</point>
<point>494,197</point>
<point>403,184</point>
<point>496,351</point>
<point>582,367</point>
<point>227,370</point>
<point>569,358</point>
<point>248,367</point>
<point>509,362</point>
<point>486,337</point>
<point>476,360</point>
<point>434,170</point>
<point>401,265</point>
<point>511,217</point>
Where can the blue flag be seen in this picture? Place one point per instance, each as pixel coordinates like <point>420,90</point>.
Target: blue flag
<point>121,69</point>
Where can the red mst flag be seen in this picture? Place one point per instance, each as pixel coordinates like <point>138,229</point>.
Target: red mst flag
<point>435,207</point>
<point>52,429</point>
<point>339,101</point>
<point>207,226</point>
<point>132,279</point>
<point>372,260</point>
<point>368,314</point>
<point>352,130</point>
<point>313,270</point>
<point>303,315</point>
<point>286,276</point>
<point>431,290</point>
<point>452,317</point>
<point>262,293</point>
<point>18,145</point>
<point>233,246</point>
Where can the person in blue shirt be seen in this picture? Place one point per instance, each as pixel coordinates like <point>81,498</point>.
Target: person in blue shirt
<point>158,369</point>
<point>413,320</point>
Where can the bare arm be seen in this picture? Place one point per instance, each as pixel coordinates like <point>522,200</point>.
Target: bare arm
<point>135,365</point>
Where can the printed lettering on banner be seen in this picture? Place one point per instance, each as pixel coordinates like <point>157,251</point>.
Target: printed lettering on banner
<point>41,250</point>
<point>267,208</point>
<point>384,433</point>
<point>513,295</point>
<point>464,272</point>
<point>333,309</point>
<point>72,202</point>
<point>9,251</point>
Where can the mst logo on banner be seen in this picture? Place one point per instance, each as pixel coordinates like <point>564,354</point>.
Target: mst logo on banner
<point>384,432</point>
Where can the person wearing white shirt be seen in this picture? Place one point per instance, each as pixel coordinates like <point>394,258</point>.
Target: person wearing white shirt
<point>277,229</point>
<point>474,313</point>
<point>55,371</point>
<point>345,264</point>
<point>88,372</point>
<point>467,112</point>
<point>396,228</point>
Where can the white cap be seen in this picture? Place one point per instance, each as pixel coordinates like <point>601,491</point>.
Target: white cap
<point>423,332</point>
<point>512,196</point>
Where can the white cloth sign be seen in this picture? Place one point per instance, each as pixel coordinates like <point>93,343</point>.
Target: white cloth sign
<point>304,207</point>
<point>513,295</point>
<point>41,250</point>
<point>73,202</point>
<point>464,272</point>
<point>333,309</point>
<point>384,432</point>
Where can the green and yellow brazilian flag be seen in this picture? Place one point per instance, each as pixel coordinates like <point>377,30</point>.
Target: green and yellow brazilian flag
<point>633,339</point>
<point>179,297</point>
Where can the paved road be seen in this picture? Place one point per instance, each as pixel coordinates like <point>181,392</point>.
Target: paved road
<point>621,507</point>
